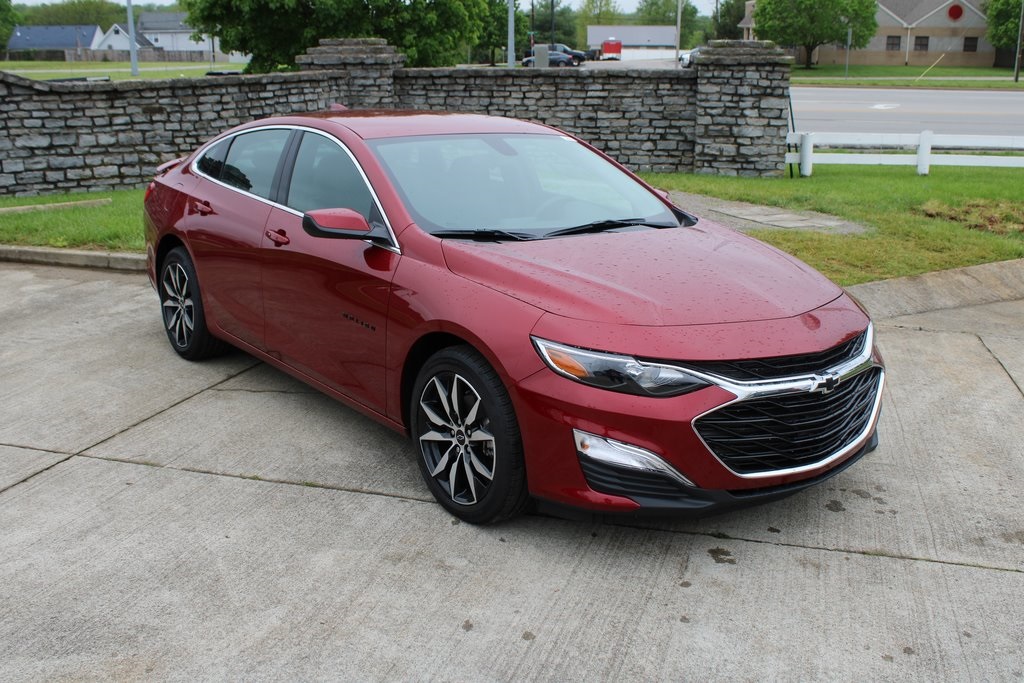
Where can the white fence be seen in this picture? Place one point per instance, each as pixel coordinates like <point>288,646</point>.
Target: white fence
<point>892,150</point>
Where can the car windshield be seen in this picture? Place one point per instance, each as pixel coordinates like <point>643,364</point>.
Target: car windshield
<point>530,185</point>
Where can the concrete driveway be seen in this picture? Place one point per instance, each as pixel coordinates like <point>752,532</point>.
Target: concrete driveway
<point>167,520</point>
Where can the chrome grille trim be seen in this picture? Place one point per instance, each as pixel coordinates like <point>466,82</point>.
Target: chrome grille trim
<point>745,391</point>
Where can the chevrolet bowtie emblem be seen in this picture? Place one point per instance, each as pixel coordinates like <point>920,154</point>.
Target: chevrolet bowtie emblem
<point>825,383</point>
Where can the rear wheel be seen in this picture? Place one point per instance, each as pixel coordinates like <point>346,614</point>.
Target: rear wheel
<point>471,453</point>
<point>182,308</point>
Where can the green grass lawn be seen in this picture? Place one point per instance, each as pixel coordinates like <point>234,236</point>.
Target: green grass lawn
<point>906,76</point>
<point>114,227</point>
<point>116,71</point>
<point>952,218</point>
<point>869,71</point>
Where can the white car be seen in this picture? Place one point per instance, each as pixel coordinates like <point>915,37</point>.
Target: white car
<point>688,57</point>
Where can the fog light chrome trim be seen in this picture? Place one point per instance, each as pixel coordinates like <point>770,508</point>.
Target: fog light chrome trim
<point>619,454</point>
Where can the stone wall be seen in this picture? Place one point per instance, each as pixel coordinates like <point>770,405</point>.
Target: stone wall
<point>742,101</point>
<point>642,118</point>
<point>728,115</point>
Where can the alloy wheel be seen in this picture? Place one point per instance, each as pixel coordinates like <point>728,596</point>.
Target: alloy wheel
<point>178,307</point>
<point>457,444</point>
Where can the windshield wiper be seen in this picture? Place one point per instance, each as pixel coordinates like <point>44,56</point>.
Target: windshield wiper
<point>485,234</point>
<point>601,226</point>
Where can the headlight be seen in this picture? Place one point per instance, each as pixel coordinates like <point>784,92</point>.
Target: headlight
<point>616,373</point>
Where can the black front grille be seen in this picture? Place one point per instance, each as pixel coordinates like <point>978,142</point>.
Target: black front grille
<point>754,369</point>
<point>790,430</point>
<point>622,481</point>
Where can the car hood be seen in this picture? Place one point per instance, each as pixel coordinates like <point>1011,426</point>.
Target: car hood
<point>698,275</point>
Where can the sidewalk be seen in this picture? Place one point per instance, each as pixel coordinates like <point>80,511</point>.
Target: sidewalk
<point>746,217</point>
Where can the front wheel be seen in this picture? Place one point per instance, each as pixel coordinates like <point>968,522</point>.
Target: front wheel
<point>471,453</point>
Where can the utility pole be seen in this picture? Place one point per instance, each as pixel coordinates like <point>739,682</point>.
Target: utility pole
<point>1020,39</point>
<point>552,22</point>
<point>511,33</point>
<point>679,25</point>
<point>133,49</point>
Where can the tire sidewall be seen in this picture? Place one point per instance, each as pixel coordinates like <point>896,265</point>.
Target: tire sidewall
<point>508,466</point>
<point>180,256</point>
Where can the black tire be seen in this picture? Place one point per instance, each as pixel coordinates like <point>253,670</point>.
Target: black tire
<point>181,307</point>
<point>576,61</point>
<point>471,451</point>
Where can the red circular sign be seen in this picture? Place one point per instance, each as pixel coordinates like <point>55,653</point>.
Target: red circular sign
<point>955,12</point>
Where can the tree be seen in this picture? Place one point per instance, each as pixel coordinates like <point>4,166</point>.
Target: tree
<point>1003,23</point>
<point>595,13</point>
<point>83,12</point>
<point>811,23</point>
<point>494,35</point>
<point>663,13</point>
<point>727,19</point>
<point>565,23</point>
<point>8,20</point>
<point>429,32</point>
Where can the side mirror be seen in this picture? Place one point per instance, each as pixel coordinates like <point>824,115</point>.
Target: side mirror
<point>337,223</point>
<point>663,194</point>
<point>345,224</point>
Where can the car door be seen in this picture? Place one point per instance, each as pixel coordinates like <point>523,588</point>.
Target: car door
<point>326,299</point>
<point>227,213</point>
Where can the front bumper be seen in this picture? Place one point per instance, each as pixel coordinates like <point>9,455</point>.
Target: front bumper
<point>552,409</point>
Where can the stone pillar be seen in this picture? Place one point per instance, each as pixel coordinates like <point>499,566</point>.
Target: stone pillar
<point>368,64</point>
<point>742,108</point>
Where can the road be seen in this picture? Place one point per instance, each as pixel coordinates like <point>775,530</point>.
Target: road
<point>194,521</point>
<point>869,110</point>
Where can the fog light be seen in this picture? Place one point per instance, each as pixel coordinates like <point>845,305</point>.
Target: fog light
<point>619,454</point>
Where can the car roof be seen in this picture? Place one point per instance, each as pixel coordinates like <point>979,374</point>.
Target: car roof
<point>386,123</point>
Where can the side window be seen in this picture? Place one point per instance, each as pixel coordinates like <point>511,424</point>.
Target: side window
<point>325,177</point>
<point>212,161</point>
<point>252,160</point>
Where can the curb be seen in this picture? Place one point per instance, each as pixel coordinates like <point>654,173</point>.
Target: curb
<point>988,283</point>
<point>47,256</point>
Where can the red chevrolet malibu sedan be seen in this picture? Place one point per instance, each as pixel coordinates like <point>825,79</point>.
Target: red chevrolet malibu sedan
<point>542,323</point>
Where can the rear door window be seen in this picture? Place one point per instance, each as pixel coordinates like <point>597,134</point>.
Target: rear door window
<point>252,160</point>
<point>212,160</point>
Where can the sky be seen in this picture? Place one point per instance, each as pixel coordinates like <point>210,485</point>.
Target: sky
<point>703,6</point>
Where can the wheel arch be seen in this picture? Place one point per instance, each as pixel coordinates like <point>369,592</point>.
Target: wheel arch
<point>166,245</point>
<point>422,349</point>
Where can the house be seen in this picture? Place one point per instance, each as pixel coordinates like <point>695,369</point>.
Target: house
<point>914,32</point>
<point>117,38</point>
<point>58,38</point>
<point>169,31</point>
<point>638,42</point>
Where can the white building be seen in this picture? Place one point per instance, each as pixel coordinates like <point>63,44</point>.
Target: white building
<point>638,42</point>
<point>116,38</point>
<point>169,31</point>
